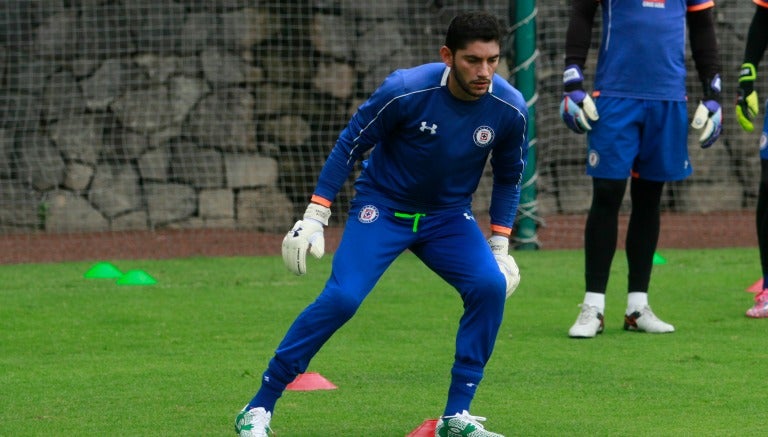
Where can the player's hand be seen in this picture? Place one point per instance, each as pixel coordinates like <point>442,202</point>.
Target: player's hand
<point>747,105</point>
<point>708,118</point>
<point>507,265</point>
<point>306,236</point>
<point>577,108</point>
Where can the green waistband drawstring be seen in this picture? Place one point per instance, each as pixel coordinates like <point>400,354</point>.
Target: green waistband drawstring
<point>415,218</point>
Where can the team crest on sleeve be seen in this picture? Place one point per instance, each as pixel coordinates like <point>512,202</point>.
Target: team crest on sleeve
<point>763,141</point>
<point>483,136</point>
<point>368,214</point>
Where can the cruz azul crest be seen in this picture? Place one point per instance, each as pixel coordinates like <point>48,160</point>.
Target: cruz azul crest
<point>368,214</point>
<point>483,136</point>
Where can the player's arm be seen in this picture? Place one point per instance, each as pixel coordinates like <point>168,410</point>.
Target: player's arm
<point>747,103</point>
<point>508,164</point>
<point>365,129</point>
<point>701,33</point>
<point>577,108</point>
<point>578,36</point>
<point>306,235</point>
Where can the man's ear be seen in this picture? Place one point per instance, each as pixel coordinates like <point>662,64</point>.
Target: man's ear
<point>447,56</point>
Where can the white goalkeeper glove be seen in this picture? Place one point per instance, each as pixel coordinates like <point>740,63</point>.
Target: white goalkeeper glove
<point>708,117</point>
<point>507,265</point>
<point>306,235</point>
<point>577,109</point>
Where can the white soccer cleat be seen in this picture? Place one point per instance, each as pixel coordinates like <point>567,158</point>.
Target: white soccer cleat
<point>462,425</point>
<point>253,423</point>
<point>642,319</point>
<point>588,324</point>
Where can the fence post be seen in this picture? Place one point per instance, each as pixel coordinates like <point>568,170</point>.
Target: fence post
<point>523,18</point>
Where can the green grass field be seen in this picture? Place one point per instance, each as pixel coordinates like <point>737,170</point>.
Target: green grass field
<point>83,357</point>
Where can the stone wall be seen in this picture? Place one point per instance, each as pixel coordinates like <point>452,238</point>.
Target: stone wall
<point>143,114</point>
<point>156,113</point>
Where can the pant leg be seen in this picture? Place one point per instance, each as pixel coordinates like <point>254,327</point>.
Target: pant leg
<point>643,232</point>
<point>601,232</point>
<point>761,216</point>
<point>454,247</point>
<point>366,250</point>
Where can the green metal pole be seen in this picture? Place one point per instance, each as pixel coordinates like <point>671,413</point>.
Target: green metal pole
<point>523,18</point>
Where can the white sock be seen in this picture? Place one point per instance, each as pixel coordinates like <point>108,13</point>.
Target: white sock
<point>636,299</point>
<point>595,300</point>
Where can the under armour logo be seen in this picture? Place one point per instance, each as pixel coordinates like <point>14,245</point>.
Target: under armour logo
<point>432,130</point>
<point>468,217</point>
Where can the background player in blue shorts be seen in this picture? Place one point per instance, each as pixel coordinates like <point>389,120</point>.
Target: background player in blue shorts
<point>431,129</point>
<point>637,127</point>
<point>746,110</point>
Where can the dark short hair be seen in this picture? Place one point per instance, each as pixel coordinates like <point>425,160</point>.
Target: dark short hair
<point>472,26</point>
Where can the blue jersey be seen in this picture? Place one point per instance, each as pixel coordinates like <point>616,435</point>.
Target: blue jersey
<point>642,52</point>
<point>430,148</point>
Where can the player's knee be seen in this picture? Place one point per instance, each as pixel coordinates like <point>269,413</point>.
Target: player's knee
<point>491,287</point>
<point>607,194</point>
<point>343,305</point>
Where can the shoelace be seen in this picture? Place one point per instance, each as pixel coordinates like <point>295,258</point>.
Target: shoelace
<point>644,311</point>
<point>647,313</point>
<point>475,420</point>
<point>588,312</point>
<point>259,419</point>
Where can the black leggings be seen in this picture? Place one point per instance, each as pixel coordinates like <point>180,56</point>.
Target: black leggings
<point>761,218</point>
<point>601,231</point>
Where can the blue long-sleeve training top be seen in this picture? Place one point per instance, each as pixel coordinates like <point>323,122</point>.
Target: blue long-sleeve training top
<point>430,148</point>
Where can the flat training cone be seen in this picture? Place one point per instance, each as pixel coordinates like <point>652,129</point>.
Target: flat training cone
<point>426,429</point>
<point>136,277</point>
<point>103,270</point>
<point>658,259</point>
<point>310,381</point>
<point>757,287</point>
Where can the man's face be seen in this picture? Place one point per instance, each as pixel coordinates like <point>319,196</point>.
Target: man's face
<point>472,68</point>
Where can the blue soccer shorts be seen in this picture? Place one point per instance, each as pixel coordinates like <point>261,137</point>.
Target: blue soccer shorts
<point>642,138</point>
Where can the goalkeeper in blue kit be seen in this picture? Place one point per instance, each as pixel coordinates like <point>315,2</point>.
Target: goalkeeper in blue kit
<point>747,108</point>
<point>637,129</point>
<point>430,131</point>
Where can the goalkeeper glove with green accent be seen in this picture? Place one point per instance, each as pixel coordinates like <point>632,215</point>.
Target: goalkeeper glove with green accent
<point>577,109</point>
<point>306,235</point>
<point>708,117</point>
<point>507,265</point>
<point>746,101</point>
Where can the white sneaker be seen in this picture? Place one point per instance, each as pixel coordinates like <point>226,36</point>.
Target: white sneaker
<point>589,324</point>
<point>253,423</point>
<point>642,319</point>
<point>462,425</point>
